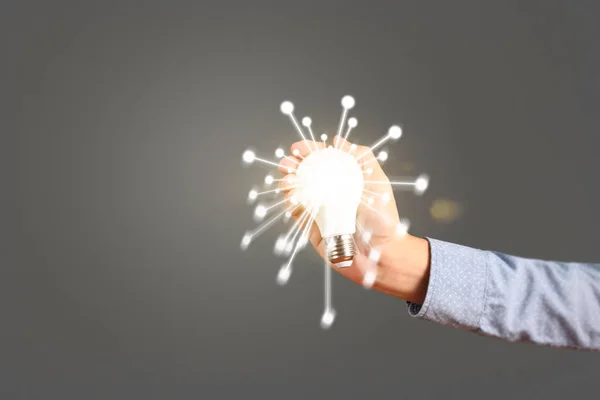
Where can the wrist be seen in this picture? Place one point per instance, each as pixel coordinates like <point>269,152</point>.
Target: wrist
<point>404,268</point>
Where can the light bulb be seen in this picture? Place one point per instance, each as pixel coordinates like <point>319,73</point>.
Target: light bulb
<point>330,188</point>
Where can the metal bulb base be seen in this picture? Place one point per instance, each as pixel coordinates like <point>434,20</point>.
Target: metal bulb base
<point>340,250</point>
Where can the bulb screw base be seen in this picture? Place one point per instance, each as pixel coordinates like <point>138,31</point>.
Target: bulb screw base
<point>340,250</point>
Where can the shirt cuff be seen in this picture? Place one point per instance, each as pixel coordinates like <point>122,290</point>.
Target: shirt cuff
<point>456,293</point>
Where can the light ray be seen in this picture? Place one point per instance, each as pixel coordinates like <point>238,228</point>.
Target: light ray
<point>275,191</point>
<point>292,160</point>
<point>373,147</point>
<point>307,122</point>
<point>347,103</point>
<point>286,269</point>
<point>296,153</point>
<point>394,133</point>
<point>251,235</point>
<point>262,160</point>
<point>275,204</point>
<point>393,183</point>
<point>328,312</point>
<point>352,122</point>
<point>287,108</point>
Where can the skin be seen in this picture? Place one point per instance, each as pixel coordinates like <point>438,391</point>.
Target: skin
<point>403,267</point>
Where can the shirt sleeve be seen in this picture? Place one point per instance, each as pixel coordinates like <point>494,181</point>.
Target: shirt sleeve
<point>513,298</point>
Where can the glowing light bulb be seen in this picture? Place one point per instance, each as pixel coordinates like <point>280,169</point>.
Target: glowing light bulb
<point>352,122</point>
<point>269,180</point>
<point>279,153</point>
<point>324,137</point>
<point>331,186</point>
<point>383,155</point>
<point>306,121</point>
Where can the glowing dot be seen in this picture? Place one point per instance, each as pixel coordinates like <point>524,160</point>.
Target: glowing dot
<point>395,132</point>
<point>347,102</point>
<point>302,242</point>
<point>327,319</point>
<point>367,236</point>
<point>385,198</point>
<point>248,156</point>
<point>352,122</point>
<point>284,275</point>
<point>252,195</point>
<point>369,171</point>
<point>260,212</point>
<point>287,107</point>
<point>279,153</point>
<point>402,227</point>
<point>289,247</point>
<point>421,184</point>
<point>324,137</point>
<point>306,121</point>
<point>374,256</point>
<point>383,155</point>
<point>294,200</point>
<point>353,148</point>
<point>277,190</point>
<point>370,201</point>
<point>288,215</point>
<point>296,152</point>
<point>280,245</point>
<point>369,279</point>
<point>246,241</point>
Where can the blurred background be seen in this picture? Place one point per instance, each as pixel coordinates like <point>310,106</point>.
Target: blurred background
<point>124,195</point>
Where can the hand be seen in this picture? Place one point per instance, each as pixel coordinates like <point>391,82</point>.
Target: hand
<point>402,269</point>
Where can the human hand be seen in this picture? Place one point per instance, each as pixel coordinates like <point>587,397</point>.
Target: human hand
<point>387,258</point>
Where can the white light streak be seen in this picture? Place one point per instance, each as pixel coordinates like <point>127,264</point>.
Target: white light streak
<point>287,108</point>
<point>347,103</point>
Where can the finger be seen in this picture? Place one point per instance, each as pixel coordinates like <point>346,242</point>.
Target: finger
<point>288,164</point>
<point>364,155</point>
<point>340,143</point>
<point>288,182</point>
<point>304,147</point>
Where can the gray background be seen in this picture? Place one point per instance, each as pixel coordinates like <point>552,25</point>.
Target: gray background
<point>122,131</point>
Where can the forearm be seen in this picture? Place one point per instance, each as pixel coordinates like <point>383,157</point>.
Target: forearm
<point>512,298</point>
